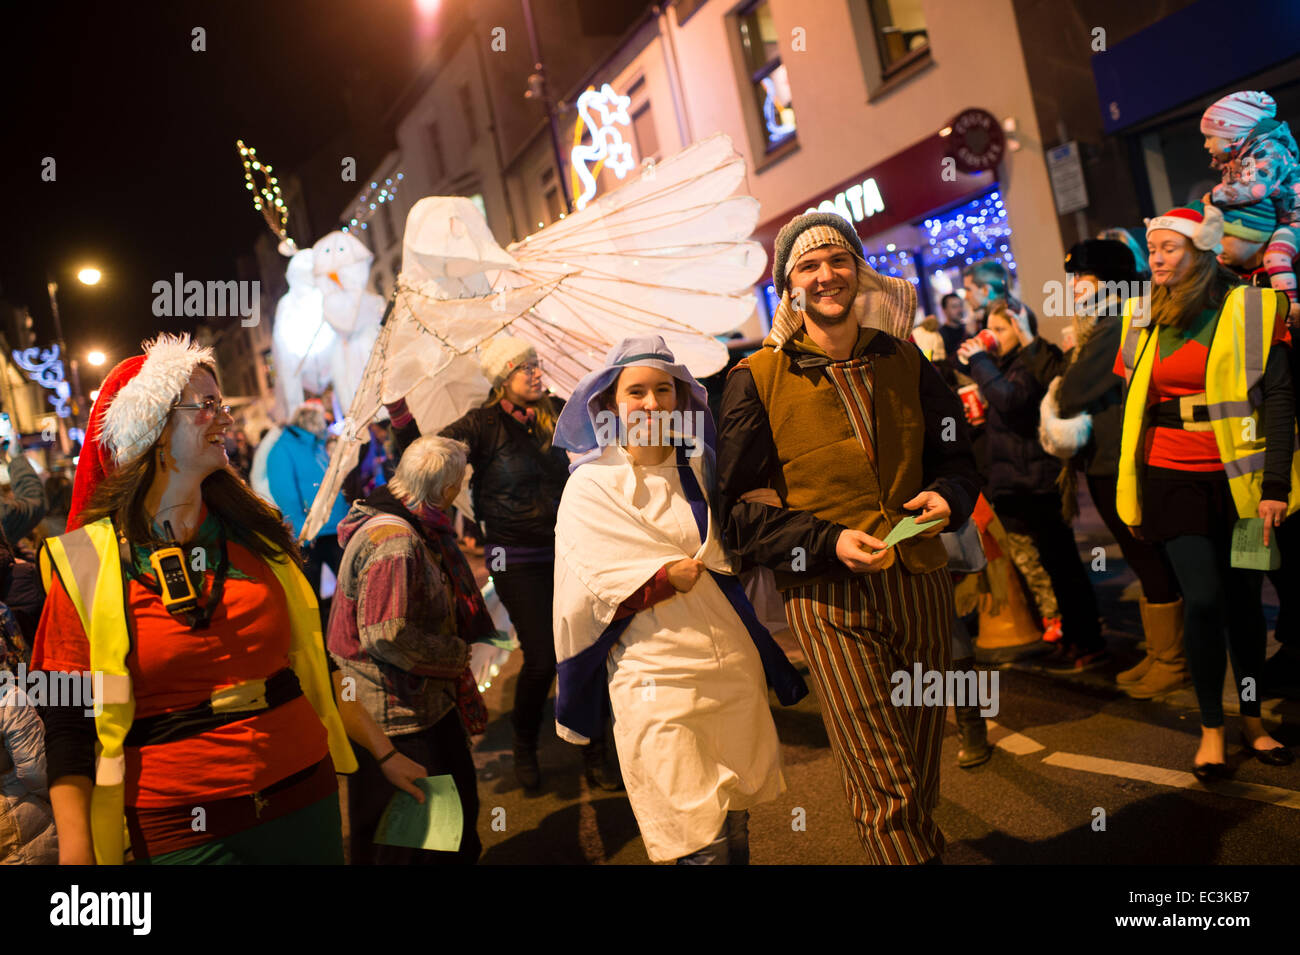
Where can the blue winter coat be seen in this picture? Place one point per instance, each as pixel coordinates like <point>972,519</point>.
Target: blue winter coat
<point>294,469</point>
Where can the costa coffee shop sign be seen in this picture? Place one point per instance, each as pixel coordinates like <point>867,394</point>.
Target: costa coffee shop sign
<point>859,201</point>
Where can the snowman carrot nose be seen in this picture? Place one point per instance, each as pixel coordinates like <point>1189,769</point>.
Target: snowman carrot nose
<point>335,277</point>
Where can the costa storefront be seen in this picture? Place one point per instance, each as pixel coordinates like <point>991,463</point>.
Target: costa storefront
<point>924,213</point>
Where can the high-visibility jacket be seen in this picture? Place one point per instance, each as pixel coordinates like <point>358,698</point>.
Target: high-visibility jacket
<point>89,565</point>
<point>1234,373</point>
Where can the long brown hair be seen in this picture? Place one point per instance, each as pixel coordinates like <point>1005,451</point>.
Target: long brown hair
<point>545,408</point>
<point>1204,286</point>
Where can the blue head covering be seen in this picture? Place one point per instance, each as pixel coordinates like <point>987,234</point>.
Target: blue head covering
<point>576,428</point>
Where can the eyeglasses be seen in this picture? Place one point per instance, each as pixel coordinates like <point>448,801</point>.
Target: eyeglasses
<point>531,368</point>
<point>207,406</point>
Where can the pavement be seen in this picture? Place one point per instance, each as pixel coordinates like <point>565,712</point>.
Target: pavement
<point>1080,774</point>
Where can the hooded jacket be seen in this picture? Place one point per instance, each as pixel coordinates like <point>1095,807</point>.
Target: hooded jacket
<point>1266,166</point>
<point>295,468</point>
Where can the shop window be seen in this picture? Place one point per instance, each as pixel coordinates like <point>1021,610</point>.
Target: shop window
<point>901,36</point>
<point>767,74</point>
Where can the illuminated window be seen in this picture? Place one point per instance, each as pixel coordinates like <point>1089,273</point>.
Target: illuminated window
<point>901,35</point>
<point>767,74</point>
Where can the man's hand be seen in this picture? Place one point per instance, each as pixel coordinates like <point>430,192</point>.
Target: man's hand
<point>402,773</point>
<point>859,551</point>
<point>1272,513</point>
<point>683,574</point>
<point>934,508</point>
<point>762,495</point>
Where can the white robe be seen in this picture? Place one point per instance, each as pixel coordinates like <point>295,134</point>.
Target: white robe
<point>692,722</point>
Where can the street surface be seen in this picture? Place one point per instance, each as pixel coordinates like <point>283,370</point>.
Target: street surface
<point>1065,749</point>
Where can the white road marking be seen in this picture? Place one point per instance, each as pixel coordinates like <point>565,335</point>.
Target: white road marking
<point>1015,743</point>
<point>1273,795</point>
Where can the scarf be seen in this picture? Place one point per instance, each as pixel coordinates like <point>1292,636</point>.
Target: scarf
<point>525,416</point>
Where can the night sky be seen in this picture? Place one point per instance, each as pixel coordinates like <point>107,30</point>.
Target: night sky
<point>142,129</point>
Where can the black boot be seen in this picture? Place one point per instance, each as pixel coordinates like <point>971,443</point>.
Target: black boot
<point>972,733</point>
<point>599,775</point>
<point>527,771</point>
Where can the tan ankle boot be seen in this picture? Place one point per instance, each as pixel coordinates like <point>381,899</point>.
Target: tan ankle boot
<point>1168,669</point>
<point>1136,673</point>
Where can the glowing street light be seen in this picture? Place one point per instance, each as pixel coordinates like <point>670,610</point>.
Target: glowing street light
<point>96,358</point>
<point>90,276</point>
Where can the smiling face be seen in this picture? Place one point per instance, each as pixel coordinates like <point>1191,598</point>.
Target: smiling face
<point>1169,253</point>
<point>643,390</point>
<point>828,278</point>
<point>524,386</point>
<point>195,440</point>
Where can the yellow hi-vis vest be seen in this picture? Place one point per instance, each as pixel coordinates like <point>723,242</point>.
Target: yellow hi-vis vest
<point>1234,372</point>
<point>90,570</point>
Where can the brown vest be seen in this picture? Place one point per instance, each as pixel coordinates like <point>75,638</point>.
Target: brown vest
<point>824,468</point>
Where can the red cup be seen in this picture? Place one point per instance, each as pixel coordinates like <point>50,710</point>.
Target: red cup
<point>989,341</point>
<point>973,403</point>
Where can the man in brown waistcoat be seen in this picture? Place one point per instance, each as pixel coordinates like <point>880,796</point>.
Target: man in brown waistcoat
<point>831,433</point>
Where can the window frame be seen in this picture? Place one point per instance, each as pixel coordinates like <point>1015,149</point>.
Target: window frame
<point>903,63</point>
<point>753,77</point>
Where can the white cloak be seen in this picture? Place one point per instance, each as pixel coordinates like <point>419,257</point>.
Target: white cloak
<point>692,722</point>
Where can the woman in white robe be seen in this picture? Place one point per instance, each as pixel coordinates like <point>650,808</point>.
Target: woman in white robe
<point>646,598</point>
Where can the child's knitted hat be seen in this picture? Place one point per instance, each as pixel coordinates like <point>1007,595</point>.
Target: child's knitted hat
<point>1236,114</point>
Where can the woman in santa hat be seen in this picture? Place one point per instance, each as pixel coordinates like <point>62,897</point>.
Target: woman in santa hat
<point>213,707</point>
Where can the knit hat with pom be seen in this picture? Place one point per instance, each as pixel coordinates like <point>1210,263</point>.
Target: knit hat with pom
<point>131,411</point>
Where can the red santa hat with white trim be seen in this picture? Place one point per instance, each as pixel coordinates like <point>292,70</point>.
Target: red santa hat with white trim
<point>1200,222</point>
<point>131,411</point>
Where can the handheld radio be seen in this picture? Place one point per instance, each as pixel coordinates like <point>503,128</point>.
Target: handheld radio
<point>168,564</point>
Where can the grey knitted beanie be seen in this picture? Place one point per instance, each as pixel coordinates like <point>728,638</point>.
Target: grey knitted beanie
<point>791,230</point>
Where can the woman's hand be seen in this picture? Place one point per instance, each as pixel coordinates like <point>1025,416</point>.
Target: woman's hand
<point>683,574</point>
<point>762,495</point>
<point>934,508</point>
<point>1023,332</point>
<point>971,346</point>
<point>1272,513</point>
<point>402,773</point>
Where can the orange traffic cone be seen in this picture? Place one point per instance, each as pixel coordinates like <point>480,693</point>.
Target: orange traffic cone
<point>1010,634</point>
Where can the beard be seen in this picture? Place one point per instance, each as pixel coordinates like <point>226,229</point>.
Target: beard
<point>822,318</point>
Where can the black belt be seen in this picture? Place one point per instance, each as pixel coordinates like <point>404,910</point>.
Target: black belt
<point>281,687</point>
<point>1171,414</point>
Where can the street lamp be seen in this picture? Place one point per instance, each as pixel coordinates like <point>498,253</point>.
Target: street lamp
<point>96,358</point>
<point>90,275</point>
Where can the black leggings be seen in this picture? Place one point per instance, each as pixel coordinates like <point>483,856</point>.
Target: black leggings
<point>1219,597</point>
<point>1159,585</point>
<point>1039,516</point>
<point>528,592</point>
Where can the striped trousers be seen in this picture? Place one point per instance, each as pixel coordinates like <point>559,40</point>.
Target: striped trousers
<point>855,635</point>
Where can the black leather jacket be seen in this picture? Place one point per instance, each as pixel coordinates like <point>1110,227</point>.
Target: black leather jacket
<point>516,487</point>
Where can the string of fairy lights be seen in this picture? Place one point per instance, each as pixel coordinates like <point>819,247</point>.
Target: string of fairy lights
<point>369,202</point>
<point>266,195</point>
